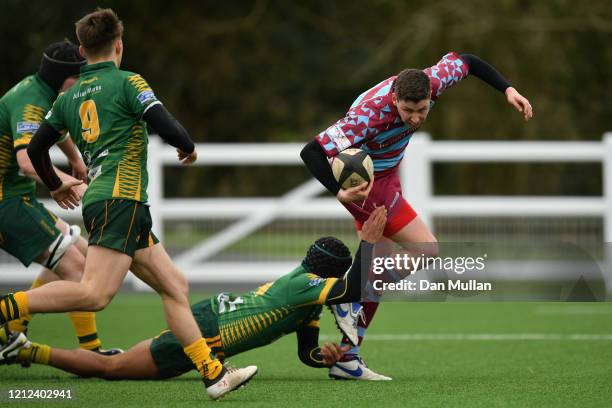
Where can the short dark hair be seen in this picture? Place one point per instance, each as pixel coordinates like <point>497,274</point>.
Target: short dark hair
<point>412,85</point>
<point>97,30</point>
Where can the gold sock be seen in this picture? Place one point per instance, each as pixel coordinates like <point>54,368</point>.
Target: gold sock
<point>36,353</point>
<point>84,324</point>
<point>21,324</point>
<point>13,306</point>
<point>200,355</point>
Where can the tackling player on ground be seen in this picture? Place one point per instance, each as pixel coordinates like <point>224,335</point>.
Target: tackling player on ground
<point>381,122</point>
<point>106,112</point>
<point>29,231</point>
<point>235,324</point>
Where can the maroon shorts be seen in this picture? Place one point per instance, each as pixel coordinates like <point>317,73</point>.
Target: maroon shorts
<point>387,191</point>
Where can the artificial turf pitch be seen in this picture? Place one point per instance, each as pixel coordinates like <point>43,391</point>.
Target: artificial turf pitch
<point>439,354</point>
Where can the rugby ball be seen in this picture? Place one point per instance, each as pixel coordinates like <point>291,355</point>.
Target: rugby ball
<point>352,167</point>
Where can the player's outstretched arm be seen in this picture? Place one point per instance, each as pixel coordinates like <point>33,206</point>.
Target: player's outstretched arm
<point>350,288</point>
<point>158,117</point>
<point>311,354</point>
<point>486,72</point>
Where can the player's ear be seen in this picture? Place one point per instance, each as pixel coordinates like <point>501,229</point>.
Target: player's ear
<point>119,46</point>
<point>394,98</point>
<point>82,51</point>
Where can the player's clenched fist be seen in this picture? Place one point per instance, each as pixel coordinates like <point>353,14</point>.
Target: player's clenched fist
<point>331,353</point>
<point>355,194</point>
<point>187,158</point>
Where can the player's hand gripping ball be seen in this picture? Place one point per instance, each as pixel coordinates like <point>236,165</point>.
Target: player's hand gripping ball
<point>352,168</point>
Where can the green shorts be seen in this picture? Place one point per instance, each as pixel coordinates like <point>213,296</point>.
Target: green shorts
<point>27,228</point>
<point>167,351</point>
<point>124,225</point>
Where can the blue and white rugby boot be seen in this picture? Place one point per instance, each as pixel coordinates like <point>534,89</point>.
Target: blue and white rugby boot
<point>347,316</point>
<point>355,369</point>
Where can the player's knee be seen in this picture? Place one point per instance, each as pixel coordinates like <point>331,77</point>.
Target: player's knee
<point>430,247</point>
<point>183,286</point>
<point>100,301</point>
<point>96,299</point>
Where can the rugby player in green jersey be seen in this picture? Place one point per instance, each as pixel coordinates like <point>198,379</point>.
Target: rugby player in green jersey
<point>106,112</point>
<point>29,231</point>
<point>292,303</point>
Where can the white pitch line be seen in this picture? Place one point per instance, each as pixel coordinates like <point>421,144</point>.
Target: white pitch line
<point>481,337</point>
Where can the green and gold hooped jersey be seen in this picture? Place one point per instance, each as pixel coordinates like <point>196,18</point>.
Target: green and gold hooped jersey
<point>22,109</point>
<point>273,310</point>
<point>103,113</point>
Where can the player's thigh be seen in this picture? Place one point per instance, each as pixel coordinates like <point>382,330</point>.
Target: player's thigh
<point>27,229</point>
<point>136,363</point>
<point>105,270</point>
<point>416,237</point>
<point>154,266</point>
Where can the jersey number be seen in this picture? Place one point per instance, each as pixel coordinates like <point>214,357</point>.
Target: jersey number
<point>227,305</point>
<point>89,121</point>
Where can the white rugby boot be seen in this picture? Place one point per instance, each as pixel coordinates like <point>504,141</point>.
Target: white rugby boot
<point>229,380</point>
<point>355,369</point>
<point>347,316</point>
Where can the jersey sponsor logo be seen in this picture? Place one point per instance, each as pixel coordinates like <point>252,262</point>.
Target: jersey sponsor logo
<point>27,127</point>
<point>315,282</point>
<point>146,96</point>
<point>336,134</point>
<point>91,90</point>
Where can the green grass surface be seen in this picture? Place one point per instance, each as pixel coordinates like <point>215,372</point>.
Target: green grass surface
<point>426,373</point>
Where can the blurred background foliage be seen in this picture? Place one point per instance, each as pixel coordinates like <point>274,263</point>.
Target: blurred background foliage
<point>274,70</point>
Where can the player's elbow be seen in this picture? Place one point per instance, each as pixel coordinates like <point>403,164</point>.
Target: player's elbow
<point>304,153</point>
<point>311,151</point>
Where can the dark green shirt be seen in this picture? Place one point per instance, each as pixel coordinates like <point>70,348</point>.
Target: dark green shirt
<point>103,112</point>
<point>275,309</point>
<point>22,109</point>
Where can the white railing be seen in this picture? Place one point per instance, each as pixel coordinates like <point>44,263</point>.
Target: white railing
<point>416,173</point>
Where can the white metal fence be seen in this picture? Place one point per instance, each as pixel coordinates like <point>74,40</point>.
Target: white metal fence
<point>302,202</point>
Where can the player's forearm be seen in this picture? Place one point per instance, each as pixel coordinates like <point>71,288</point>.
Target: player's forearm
<point>486,72</point>
<point>309,351</point>
<point>315,160</point>
<point>38,152</point>
<point>169,128</point>
<point>350,288</point>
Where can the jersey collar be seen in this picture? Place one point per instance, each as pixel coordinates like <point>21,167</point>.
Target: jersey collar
<point>98,66</point>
